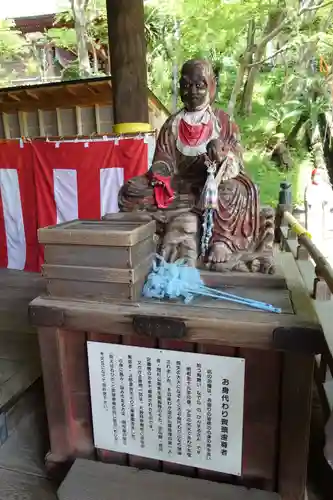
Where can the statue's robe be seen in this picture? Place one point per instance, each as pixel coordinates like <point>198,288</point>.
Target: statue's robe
<point>180,157</point>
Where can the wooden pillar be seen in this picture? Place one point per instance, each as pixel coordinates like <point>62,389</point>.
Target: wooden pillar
<point>127,48</point>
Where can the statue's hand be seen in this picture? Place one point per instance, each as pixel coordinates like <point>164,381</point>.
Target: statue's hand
<point>161,168</point>
<point>215,151</point>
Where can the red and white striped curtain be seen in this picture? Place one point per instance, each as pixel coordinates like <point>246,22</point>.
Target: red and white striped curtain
<point>46,183</point>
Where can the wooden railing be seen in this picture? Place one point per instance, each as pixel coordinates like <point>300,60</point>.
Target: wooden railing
<point>306,248</point>
<point>293,237</point>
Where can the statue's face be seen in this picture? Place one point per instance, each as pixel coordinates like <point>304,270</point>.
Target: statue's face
<point>194,88</point>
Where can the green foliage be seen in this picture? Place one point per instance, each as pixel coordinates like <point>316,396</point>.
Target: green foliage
<point>258,130</point>
<point>72,71</point>
<point>12,44</point>
<point>63,37</point>
<point>13,47</point>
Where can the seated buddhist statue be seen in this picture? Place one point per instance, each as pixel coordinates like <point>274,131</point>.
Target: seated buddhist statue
<point>197,189</point>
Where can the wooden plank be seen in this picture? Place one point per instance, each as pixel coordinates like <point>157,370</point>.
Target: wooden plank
<point>297,380</point>
<point>76,392</point>
<point>261,415</point>
<point>204,325</point>
<point>79,124</point>
<point>89,479</point>
<point>89,290</point>
<point>17,290</point>
<point>264,281</point>
<point>98,233</point>
<point>17,323</point>
<point>6,127</point>
<point>299,295</point>
<point>97,119</point>
<point>88,255</point>
<point>98,274</point>
<point>54,398</point>
<point>41,123</point>
<point>59,122</point>
<point>18,347</point>
<point>22,118</point>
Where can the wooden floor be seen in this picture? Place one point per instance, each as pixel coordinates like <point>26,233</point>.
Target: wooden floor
<point>23,430</point>
<point>19,353</point>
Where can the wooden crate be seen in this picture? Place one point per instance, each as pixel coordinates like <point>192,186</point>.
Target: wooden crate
<point>98,260</point>
<point>278,349</point>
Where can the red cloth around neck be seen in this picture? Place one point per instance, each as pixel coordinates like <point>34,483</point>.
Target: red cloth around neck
<point>194,135</point>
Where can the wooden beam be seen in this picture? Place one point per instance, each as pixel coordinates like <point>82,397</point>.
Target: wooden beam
<point>128,60</point>
<point>13,97</point>
<point>59,122</point>
<point>22,118</point>
<point>79,124</point>
<point>6,127</point>
<point>93,89</point>
<point>97,119</point>
<point>32,95</point>
<point>296,392</point>
<point>71,90</point>
<point>41,123</point>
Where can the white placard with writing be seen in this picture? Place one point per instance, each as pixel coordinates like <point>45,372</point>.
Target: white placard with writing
<point>180,407</point>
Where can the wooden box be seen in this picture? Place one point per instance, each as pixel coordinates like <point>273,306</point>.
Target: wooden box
<point>278,349</point>
<point>98,260</point>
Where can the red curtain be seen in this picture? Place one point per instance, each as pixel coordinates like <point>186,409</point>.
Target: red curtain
<point>54,182</point>
<point>18,209</point>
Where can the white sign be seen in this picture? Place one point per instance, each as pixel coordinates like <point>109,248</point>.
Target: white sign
<point>180,407</point>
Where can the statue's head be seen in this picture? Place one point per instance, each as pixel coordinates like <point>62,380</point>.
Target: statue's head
<point>197,84</point>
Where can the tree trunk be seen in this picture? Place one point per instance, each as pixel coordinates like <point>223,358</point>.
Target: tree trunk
<point>236,88</point>
<point>246,106</point>
<point>273,28</point>
<point>80,25</point>
<point>244,61</point>
<point>95,58</point>
<point>127,48</point>
<point>291,138</point>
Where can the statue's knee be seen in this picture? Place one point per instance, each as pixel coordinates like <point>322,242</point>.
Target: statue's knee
<point>186,222</point>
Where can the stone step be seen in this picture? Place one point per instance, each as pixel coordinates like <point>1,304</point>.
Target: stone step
<point>88,480</point>
<point>16,485</point>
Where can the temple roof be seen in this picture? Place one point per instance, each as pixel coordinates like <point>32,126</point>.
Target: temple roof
<point>34,24</point>
<point>87,92</point>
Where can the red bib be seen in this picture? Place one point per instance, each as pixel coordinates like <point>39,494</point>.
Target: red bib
<point>194,135</point>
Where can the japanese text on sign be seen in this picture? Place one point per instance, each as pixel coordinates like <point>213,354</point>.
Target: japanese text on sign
<point>179,407</point>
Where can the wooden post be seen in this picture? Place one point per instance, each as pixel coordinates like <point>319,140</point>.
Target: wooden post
<point>284,203</point>
<point>301,252</point>
<point>296,392</point>
<point>321,290</point>
<point>127,50</point>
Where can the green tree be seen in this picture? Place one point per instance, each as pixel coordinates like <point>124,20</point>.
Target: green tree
<point>13,47</point>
